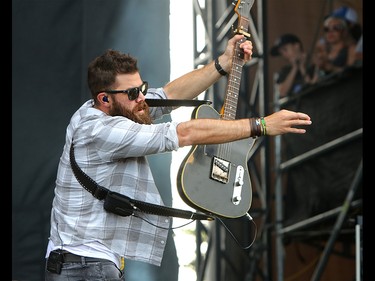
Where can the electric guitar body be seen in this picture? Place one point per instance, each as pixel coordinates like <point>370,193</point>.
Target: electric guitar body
<point>215,178</point>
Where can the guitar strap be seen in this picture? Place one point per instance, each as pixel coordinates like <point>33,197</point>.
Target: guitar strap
<point>123,205</point>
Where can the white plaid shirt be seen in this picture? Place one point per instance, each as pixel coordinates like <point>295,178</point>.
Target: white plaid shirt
<point>112,151</point>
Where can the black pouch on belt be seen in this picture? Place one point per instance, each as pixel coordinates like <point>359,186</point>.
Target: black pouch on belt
<point>118,204</point>
<point>55,261</point>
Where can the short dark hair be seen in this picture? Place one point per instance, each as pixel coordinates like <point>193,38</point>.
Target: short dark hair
<point>102,71</point>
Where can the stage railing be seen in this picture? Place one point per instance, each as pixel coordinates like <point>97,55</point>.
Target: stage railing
<point>319,174</point>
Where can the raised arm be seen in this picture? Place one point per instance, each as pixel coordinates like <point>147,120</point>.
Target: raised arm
<point>193,83</point>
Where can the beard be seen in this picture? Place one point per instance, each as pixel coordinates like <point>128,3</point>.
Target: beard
<point>144,118</point>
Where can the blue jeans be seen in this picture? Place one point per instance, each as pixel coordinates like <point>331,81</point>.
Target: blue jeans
<point>91,271</point>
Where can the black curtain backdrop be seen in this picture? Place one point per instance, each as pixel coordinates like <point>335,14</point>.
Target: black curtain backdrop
<point>52,44</point>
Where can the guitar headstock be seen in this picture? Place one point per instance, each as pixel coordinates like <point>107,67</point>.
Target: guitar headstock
<point>242,8</point>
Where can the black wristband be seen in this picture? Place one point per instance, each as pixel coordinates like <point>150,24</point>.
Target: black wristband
<point>219,68</point>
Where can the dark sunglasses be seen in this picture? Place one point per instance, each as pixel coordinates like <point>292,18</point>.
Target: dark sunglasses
<point>133,93</point>
<point>337,27</point>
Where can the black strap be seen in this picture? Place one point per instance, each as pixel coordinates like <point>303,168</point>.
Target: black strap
<point>101,193</point>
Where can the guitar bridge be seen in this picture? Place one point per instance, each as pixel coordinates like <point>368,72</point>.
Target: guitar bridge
<point>220,170</point>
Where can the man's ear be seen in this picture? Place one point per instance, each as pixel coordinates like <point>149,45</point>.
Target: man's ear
<point>103,97</point>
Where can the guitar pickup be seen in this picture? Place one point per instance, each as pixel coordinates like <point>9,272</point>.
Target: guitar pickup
<point>237,188</point>
<point>220,170</point>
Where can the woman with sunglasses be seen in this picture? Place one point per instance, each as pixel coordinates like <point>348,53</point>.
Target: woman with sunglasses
<point>112,134</point>
<point>340,45</point>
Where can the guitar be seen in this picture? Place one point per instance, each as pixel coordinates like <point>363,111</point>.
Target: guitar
<point>215,178</point>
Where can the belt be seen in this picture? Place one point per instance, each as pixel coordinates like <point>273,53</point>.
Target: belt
<point>69,257</point>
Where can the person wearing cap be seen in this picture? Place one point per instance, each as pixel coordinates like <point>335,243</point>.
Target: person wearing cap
<point>351,18</point>
<point>291,77</point>
<point>341,48</point>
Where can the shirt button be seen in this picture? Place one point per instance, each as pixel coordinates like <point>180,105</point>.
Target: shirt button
<point>162,241</point>
<point>166,220</point>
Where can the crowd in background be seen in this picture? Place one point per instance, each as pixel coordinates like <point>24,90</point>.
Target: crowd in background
<point>339,47</point>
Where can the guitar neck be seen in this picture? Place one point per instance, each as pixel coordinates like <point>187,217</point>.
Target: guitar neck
<point>234,78</point>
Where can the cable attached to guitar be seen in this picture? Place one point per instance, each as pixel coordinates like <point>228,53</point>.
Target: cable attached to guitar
<point>250,218</point>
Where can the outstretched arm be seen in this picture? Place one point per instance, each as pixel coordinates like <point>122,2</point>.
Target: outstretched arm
<point>214,131</point>
<point>191,84</point>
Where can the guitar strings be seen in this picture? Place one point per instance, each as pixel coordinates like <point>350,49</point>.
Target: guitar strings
<point>231,99</point>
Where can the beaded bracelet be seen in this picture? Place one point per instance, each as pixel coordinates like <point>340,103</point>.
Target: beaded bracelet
<point>219,68</point>
<point>263,123</point>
